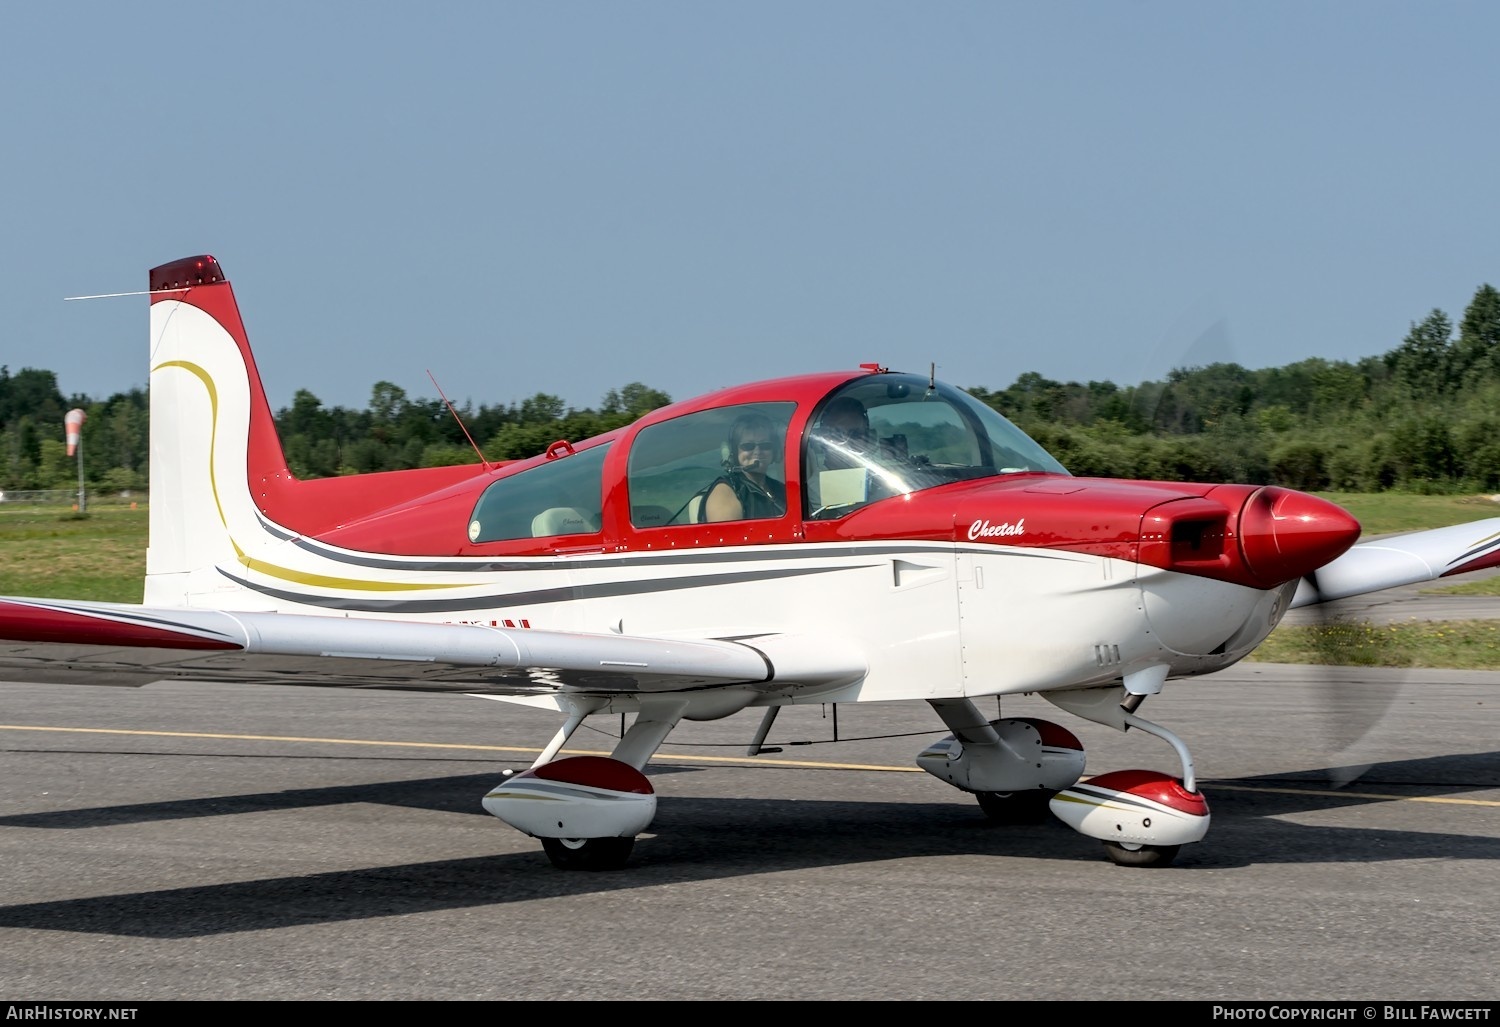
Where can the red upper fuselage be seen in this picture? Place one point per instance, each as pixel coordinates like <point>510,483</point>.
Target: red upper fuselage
<point>939,466</point>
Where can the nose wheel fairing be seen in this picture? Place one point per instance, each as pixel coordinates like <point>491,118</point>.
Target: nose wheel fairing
<point>1142,816</point>
<point>1134,811</point>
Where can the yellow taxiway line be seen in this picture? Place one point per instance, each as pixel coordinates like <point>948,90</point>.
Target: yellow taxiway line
<point>686,758</point>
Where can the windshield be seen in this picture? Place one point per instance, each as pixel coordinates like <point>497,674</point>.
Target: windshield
<point>894,434</point>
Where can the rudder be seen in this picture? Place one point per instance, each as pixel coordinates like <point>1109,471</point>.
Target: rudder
<point>215,456</point>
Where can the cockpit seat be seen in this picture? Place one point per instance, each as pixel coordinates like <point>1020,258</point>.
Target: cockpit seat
<point>561,520</point>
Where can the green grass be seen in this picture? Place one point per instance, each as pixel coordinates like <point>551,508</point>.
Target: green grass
<point>1482,587</point>
<point>1385,513</point>
<point>52,551</point>
<point>1452,645</point>
<point>55,552</point>
<point>1389,513</point>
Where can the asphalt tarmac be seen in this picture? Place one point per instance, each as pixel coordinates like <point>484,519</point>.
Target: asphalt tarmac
<point>1422,601</point>
<point>238,843</point>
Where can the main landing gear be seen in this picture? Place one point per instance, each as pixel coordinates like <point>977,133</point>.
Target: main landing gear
<point>1021,768</point>
<point>1013,766</point>
<point>587,810</point>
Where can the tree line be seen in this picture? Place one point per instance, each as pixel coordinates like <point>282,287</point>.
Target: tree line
<point>1423,417</point>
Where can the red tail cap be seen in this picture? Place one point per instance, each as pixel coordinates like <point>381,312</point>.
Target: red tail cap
<point>186,273</point>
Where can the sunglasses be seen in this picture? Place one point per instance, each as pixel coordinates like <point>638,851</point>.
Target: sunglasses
<point>750,447</point>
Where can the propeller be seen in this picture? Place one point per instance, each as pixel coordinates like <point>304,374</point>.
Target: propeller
<point>1349,700</point>
<point>1346,704</point>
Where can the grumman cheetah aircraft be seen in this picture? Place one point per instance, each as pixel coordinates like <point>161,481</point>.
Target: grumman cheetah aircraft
<point>856,536</point>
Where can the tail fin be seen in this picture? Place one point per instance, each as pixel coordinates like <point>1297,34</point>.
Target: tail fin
<point>215,456</point>
<point>224,505</point>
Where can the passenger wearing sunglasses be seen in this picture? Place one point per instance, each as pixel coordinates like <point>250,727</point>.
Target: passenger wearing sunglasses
<point>746,490</point>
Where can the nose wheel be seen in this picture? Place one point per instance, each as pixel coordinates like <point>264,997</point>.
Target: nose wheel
<point>588,853</point>
<point>1126,854</point>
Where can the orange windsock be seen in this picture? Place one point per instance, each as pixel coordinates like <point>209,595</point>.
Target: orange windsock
<point>74,424</point>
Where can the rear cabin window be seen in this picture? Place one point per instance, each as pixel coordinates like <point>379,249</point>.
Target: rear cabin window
<point>562,496</point>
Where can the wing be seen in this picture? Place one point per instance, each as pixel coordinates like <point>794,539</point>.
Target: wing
<point>1404,560</point>
<point>60,640</point>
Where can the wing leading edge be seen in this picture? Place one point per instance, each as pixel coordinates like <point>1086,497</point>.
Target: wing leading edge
<point>1404,560</point>
<point>46,639</point>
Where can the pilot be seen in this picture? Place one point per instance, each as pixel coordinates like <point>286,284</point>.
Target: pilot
<point>844,431</point>
<point>841,439</point>
<point>746,490</point>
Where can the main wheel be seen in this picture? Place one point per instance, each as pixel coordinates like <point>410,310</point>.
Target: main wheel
<point>1029,807</point>
<point>1127,855</point>
<point>588,853</point>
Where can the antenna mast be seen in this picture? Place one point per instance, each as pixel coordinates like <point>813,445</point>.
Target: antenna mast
<point>460,420</point>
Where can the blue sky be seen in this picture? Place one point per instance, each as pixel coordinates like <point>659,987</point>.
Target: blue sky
<point>567,197</point>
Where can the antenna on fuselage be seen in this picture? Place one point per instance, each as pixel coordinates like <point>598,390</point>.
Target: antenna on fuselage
<point>460,420</point>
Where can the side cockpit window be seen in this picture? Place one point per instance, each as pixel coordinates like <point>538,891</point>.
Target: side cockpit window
<point>562,496</point>
<point>722,464</point>
<point>894,434</point>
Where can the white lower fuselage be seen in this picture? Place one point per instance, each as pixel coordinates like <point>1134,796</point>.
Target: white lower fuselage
<point>934,620</point>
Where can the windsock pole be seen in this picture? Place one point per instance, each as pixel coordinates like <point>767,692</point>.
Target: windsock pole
<point>73,423</point>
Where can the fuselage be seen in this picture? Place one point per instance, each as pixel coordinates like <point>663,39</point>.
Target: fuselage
<point>934,535</point>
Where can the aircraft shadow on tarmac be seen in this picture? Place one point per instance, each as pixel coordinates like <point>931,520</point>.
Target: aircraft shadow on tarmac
<point>699,839</point>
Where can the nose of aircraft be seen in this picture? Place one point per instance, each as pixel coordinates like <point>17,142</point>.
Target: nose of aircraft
<point>1285,534</point>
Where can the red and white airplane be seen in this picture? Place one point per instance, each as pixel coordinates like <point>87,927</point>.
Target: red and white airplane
<point>889,538</point>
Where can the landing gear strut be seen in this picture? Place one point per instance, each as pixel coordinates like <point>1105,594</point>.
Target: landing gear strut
<point>1143,817</point>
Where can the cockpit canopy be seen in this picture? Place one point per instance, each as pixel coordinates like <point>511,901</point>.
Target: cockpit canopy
<point>894,434</point>
<point>866,439</point>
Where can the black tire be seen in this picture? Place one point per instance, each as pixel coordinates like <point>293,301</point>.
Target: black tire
<point>1141,855</point>
<point>1028,807</point>
<point>588,853</point>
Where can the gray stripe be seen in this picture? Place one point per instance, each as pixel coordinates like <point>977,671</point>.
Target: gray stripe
<point>536,597</point>
<point>1112,796</point>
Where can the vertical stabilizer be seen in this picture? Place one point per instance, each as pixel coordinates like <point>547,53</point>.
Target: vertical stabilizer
<point>215,457</point>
